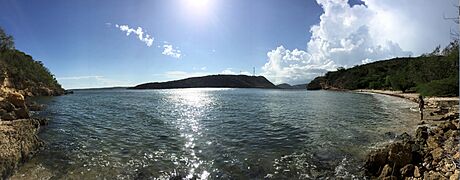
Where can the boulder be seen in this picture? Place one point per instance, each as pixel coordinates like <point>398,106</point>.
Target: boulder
<point>421,134</point>
<point>8,116</point>
<point>375,160</point>
<point>400,154</point>
<point>455,176</point>
<point>437,154</point>
<point>446,126</point>
<point>432,142</point>
<point>33,106</point>
<point>22,113</point>
<point>386,171</point>
<point>417,172</point>
<point>407,170</point>
<point>16,99</point>
<point>18,141</point>
<point>7,106</point>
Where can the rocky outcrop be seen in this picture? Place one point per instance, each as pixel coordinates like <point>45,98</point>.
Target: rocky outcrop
<point>18,142</point>
<point>431,154</point>
<point>18,131</point>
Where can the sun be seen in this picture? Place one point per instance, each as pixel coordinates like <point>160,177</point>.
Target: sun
<point>197,6</point>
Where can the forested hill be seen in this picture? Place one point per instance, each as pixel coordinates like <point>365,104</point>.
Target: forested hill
<point>433,74</point>
<point>21,72</point>
<point>227,81</point>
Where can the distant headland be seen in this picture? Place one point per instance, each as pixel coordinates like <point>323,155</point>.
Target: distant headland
<point>215,81</point>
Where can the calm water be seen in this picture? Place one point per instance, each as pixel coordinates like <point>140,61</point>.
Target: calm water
<point>214,134</point>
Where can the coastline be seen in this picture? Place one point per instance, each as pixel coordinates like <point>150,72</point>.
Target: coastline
<point>19,130</point>
<point>433,153</point>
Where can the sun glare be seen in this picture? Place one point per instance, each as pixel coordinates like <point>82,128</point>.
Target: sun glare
<point>197,6</point>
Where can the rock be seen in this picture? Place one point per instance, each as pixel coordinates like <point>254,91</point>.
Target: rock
<point>375,161</point>
<point>386,171</point>
<point>457,156</point>
<point>455,176</point>
<point>33,106</point>
<point>437,154</point>
<point>400,154</point>
<point>8,116</point>
<point>42,121</point>
<point>22,113</point>
<point>407,170</point>
<point>7,106</point>
<point>450,116</point>
<point>432,142</point>
<point>404,137</point>
<point>18,141</point>
<point>432,175</point>
<point>446,126</point>
<point>417,172</point>
<point>390,178</point>
<point>16,99</point>
<point>421,134</point>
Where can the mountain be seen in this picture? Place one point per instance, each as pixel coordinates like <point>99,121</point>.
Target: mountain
<point>227,81</point>
<point>434,74</point>
<point>288,86</point>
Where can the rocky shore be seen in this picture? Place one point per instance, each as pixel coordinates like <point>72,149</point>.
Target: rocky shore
<point>18,130</point>
<point>433,153</point>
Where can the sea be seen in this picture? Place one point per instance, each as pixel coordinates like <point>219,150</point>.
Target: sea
<point>214,133</point>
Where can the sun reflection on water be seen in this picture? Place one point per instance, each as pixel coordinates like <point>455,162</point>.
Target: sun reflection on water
<point>191,105</point>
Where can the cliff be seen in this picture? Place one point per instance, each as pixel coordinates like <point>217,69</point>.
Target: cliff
<point>217,81</point>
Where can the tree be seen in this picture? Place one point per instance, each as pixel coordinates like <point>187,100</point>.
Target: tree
<point>401,81</point>
<point>6,41</point>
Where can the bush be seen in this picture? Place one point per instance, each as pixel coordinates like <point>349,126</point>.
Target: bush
<point>443,87</point>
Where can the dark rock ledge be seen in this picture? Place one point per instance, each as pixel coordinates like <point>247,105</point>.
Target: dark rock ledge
<point>432,154</point>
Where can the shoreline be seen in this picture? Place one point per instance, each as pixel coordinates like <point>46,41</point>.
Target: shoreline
<point>433,153</point>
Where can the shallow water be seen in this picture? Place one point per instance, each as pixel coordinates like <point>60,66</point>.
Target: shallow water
<point>214,134</point>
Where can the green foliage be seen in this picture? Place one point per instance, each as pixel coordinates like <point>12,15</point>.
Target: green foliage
<point>427,72</point>
<point>442,87</point>
<point>6,41</point>
<point>401,81</point>
<point>24,72</point>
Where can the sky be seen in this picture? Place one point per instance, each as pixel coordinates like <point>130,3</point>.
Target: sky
<point>105,43</point>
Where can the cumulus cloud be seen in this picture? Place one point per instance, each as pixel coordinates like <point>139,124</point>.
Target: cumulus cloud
<point>170,51</point>
<point>349,35</point>
<point>141,35</point>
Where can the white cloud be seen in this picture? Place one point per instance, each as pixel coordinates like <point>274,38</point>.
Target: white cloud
<point>175,75</point>
<point>170,51</point>
<point>346,36</point>
<point>143,36</point>
<point>229,71</point>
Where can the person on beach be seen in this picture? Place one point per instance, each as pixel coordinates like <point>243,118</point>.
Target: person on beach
<point>421,106</point>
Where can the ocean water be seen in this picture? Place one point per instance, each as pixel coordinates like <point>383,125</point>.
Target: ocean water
<point>212,133</point>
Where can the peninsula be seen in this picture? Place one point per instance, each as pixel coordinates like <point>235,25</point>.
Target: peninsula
<point>216,81</point>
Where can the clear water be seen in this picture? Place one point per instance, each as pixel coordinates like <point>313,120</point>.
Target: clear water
<point>214,134</point>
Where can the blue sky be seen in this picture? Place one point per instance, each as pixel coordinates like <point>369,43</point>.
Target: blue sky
<point>83,44</point>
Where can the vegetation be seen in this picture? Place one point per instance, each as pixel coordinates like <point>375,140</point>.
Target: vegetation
<point>432,74</point>
<point>23,72</point>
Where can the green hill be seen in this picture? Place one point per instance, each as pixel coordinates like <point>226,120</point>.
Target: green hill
<point>21,72</point>
<point>226,81</point>
<point>433,74</point>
